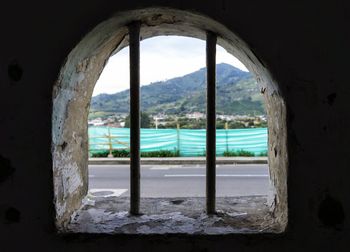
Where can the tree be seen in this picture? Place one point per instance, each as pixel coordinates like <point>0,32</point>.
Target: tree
<point>146,121</point>
<point>220,124</point>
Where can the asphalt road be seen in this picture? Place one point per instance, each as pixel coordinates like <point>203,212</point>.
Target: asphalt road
<point>181,180</point>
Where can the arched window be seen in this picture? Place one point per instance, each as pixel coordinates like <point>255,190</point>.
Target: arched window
<point>72,94</point>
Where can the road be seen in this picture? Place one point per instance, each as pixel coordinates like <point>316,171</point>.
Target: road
<point>181,180</point>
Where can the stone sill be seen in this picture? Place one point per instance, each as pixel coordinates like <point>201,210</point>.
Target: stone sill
<point>109,215</point>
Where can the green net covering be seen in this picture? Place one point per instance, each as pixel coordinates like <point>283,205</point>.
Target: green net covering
<point>189,142</point>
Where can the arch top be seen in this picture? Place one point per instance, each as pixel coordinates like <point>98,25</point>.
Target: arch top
<point>86,61</point>
<point>112,35</point>
<point>168,21</point>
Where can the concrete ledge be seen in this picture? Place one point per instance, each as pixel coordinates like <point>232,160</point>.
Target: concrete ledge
<point>180,215</point>
<point>179,160</point>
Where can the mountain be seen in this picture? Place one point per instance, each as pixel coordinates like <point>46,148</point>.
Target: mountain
<point>237,93</point>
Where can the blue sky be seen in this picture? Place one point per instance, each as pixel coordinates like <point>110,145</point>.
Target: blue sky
<point>162,58</point>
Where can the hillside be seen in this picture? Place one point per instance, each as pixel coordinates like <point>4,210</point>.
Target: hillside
<point>237,93</point>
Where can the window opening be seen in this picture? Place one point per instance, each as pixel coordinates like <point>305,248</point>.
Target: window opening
<point>74,180</point>
<point>209,176</point>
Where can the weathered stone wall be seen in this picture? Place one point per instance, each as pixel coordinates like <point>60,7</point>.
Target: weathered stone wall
<point>278,157</point>
<point>71,103</point>
<point>303,44</point>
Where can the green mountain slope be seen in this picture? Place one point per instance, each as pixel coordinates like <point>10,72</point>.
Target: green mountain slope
<point>237,93</point>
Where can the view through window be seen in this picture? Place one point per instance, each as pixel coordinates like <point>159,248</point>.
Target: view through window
<point>173,130</point>
<point>190,180</point>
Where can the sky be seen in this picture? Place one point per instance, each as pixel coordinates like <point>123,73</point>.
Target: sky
<point>161,58</point>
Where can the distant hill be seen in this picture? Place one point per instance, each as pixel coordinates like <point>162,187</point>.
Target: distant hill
<point>237,93</point>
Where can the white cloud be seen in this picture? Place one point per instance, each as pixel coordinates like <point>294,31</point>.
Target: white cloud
<point>162,58</point>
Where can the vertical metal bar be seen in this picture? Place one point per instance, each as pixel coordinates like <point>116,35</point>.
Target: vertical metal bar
<point>178,137</point>
<point>134,54</point>
<point>226,133</point>
<point>211,123</point>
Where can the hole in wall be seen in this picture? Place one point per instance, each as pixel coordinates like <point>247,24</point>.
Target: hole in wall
<point>331,212</point>
<point>15,71</point>
<point>6,169</point>
<point>331,98</point>
<point>12,215</point>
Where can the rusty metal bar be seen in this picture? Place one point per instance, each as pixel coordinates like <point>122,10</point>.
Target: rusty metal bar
<point>211,123</point>
<point>134,54</point>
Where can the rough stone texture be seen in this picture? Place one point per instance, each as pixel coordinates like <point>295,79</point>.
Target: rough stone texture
<point>305,46</point>
<point>73,90</point>
<point>278,157</point>
<point>107,214</point>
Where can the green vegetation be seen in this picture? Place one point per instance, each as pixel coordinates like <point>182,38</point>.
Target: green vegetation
<point>263,154</point>
<point>186,123</point>
<point>146,121</point>
<point>99,114</point>
<point>99,154</point>
<point>120,153</point>
<point>239,153</point>
<point>161,153</point>
<point>237,93</point>
<point>243,153</point>
<point>115,153</point>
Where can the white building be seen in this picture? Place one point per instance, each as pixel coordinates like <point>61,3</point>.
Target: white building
<point>195,115</point>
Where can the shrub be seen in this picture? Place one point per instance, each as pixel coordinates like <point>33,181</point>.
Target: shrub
<point>243,153</point>
<point>160,153</point>
<point>103,153</point>
<point>121,153</point>
<point>263,154</point>
<point>238,153</point>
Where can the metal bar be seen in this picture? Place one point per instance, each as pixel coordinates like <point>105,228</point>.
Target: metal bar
<point>134,54</point>
<point>226,133</point>
<point>211,123</point>
<point>178,137</point>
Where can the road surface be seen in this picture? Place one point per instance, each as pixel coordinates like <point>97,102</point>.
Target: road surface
<point>181,180</point>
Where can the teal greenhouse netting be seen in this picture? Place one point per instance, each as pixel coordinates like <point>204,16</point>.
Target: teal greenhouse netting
<point>189,142</point>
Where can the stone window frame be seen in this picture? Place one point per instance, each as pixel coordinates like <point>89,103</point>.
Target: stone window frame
<point>73,90</point>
